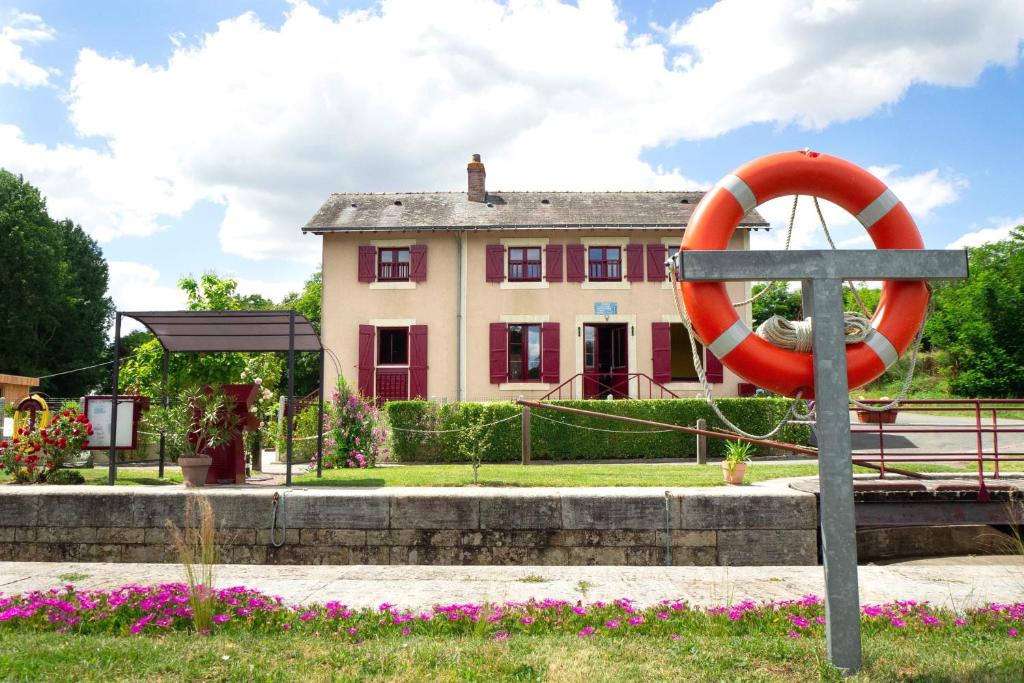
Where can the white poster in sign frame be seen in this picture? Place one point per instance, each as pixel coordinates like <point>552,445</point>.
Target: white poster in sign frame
<point>97,410</point>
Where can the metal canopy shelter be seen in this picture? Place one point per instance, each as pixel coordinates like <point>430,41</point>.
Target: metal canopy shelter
<point>225,331</point>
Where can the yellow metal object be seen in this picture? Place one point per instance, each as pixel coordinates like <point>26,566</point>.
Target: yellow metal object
<point>21,417</point>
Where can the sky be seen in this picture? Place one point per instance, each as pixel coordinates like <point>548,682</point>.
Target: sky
<point>196,137</point>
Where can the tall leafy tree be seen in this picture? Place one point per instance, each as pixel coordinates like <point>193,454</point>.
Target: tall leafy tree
<point>976,323</point>
<point>307,302</point>
<point>54,307</point>
<point>779,301</point>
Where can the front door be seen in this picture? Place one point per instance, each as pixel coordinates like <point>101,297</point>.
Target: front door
<point>605,369</point>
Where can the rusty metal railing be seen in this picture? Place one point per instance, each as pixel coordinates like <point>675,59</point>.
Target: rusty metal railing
<point>987,422</point>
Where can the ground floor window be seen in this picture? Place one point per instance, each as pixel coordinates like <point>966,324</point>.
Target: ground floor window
<point>524,353</point>
<point>392,346</point>
<point>682,355</point>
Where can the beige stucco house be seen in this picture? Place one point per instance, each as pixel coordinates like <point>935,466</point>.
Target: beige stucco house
<point>489,295</point>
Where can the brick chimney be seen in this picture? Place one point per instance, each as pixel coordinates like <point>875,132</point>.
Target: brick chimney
<point>477,175</point>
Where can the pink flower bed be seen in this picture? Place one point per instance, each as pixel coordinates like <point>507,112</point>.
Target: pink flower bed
<point>140,610</point>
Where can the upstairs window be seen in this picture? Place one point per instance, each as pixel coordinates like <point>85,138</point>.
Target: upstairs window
<point>524,264</point>
<point>605,264</point>
<point>393,264</point>
<point>524,353</point>
<point>392,346</point>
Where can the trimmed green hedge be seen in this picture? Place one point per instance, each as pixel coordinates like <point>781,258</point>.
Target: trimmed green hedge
<point>555,441</point>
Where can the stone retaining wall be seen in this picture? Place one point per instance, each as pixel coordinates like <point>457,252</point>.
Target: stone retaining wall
<point>752,525</point>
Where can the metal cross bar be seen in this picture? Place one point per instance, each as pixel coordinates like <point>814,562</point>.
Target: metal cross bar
<point>859,264</point>
<point>822,273</point>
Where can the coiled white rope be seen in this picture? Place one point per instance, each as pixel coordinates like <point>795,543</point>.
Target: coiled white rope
<point>797,334</point>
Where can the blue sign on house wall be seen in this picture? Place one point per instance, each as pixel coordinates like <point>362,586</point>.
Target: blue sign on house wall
<point>605,308</point>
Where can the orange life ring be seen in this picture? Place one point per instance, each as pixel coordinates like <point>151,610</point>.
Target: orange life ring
<point>901,308</point>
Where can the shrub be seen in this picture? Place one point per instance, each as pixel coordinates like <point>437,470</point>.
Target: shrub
<point>558,436</point>
<point>304,426</point>
<point>354,434</point>
<point>65,477</point>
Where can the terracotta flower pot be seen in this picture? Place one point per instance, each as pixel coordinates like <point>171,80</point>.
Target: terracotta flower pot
<point>886,417</point>
<point>194,469</point>
<point>736,476</point>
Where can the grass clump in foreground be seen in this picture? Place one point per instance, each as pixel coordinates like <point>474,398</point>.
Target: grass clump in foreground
<point>148,632</point>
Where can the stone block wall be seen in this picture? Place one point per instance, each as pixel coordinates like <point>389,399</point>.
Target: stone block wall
<point>751,525</point>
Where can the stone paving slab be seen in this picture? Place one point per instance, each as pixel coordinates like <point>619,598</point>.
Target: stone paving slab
<point>950,582</point>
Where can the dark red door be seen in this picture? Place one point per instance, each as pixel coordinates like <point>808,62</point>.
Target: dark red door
<point>605,364</point>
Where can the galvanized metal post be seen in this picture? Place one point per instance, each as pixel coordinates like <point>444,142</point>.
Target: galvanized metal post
<point>320,423</point>
<point>835,474</point>
<point>702,443</point>
<point>822,273</point>
<point>166,402</point>
<point>112,452</point>
<point>290,406</point>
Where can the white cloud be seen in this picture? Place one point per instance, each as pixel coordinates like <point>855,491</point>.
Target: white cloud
<point>136,287</point>
<point>18,30</point>
<point>986,235</point>
<point>922,193</point>
<point>268,121</point>
<point>823,61</point>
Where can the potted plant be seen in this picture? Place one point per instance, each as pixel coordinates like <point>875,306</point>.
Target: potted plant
<point>199,420</point>
<point>737,455</point>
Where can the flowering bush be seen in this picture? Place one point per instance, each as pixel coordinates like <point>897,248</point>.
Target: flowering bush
<point>32,454</point>
<point>354,433</point>
<point>136,610</point>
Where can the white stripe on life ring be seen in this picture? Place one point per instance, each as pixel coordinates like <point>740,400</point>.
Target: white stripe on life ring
<point>882,347</point>
<point>876,210</point>
<point>730,339</point>
<point>740,191</point>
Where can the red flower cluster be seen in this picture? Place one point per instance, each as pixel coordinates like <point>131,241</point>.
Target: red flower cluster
<point>33,453</point>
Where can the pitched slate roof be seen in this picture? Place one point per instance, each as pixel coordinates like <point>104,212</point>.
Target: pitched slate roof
<point>444,211</point>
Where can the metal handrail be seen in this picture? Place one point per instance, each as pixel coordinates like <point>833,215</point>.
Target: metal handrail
<point>556,393</point>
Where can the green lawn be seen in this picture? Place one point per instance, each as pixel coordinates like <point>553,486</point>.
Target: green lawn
<point>537,474</point>
<point>888,656</point>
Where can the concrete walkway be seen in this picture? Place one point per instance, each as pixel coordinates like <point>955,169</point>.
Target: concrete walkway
<point>951,582</point>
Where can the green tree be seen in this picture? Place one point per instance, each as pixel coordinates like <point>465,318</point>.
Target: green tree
<point>779,301</point>
<point>977,322</point>
<point>53,293</point>
<point>868,295</point>
<point>307,302</point>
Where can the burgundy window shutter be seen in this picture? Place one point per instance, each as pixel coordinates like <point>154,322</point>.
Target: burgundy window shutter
<point>713,368</point>
<point>656,262</point>
<point>495,263</point>
<point>499,353</point>
<point>417,361</point>
<point>418,267</point>
<point>554,256</point>
<point>635,262</point>
<point>574,266</point>
<point>661,347</point>
<point>367,264</point>
<point>366,358</point>
<point>549,360</point>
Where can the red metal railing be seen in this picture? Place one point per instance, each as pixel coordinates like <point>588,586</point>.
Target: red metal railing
<point>567,389</point>
<point>986,421</point>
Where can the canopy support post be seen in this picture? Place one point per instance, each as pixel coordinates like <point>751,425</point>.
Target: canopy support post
<point>290,407</point>
<point>166,402</point>
<point>112,452</point>
<point>320,422</point>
